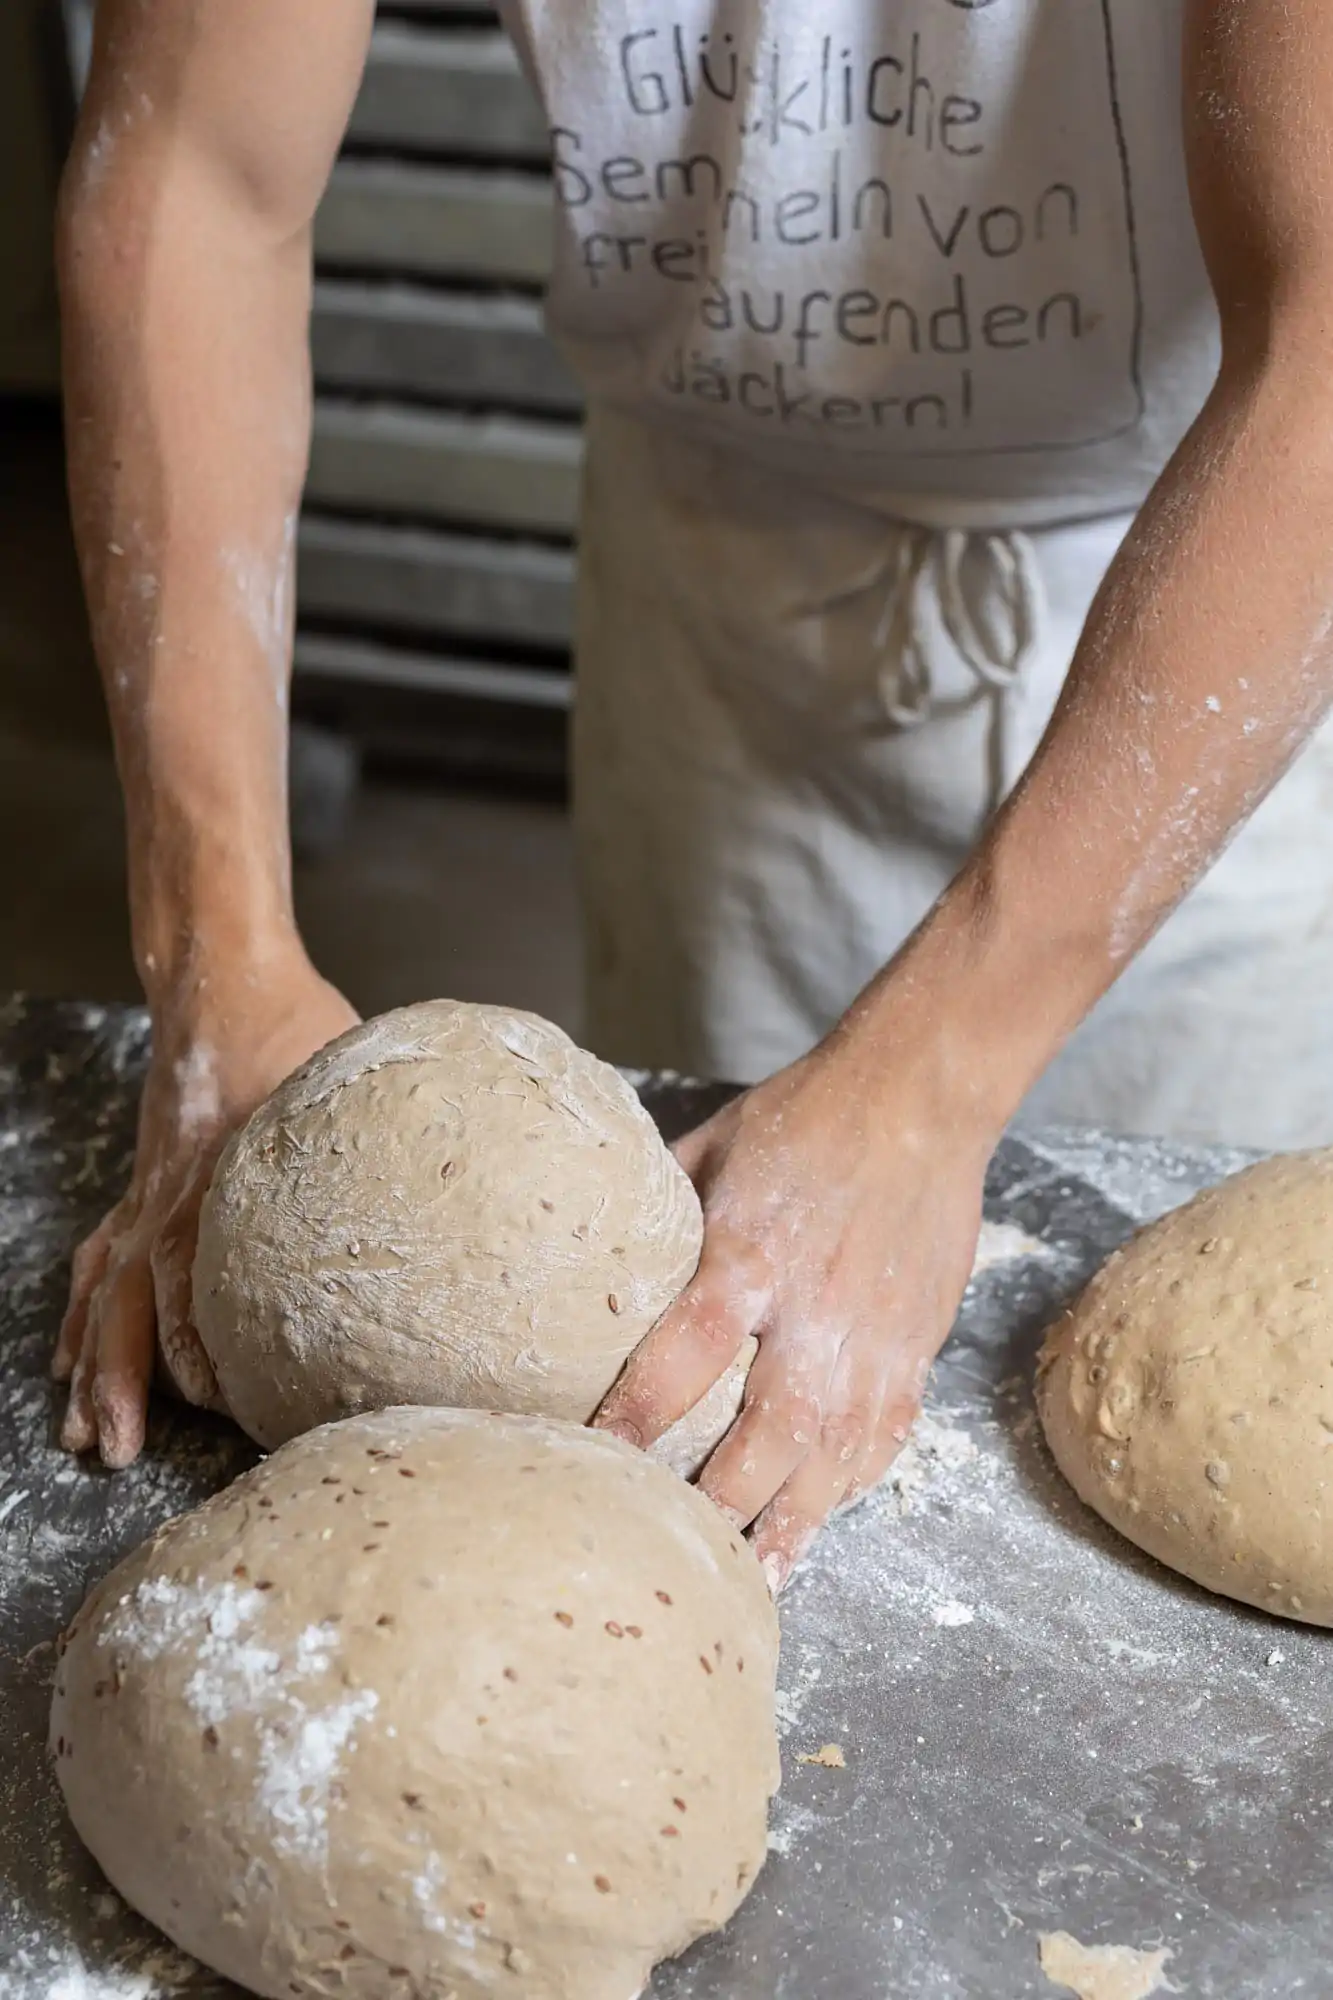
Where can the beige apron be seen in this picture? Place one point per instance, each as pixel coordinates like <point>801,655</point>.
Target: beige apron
<point>793,720</point>
<point>889,317</point>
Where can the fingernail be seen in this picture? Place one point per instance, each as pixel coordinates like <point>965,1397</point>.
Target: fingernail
<point>619,1428</point>
<point>112,1431</point>
<point>76,1433</point>
<point>192,1370</point>
<point>118,1444</point>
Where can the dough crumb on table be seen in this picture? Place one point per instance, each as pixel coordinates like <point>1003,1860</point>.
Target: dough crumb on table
<point>1102,1971</point>
<point>831,1757</point>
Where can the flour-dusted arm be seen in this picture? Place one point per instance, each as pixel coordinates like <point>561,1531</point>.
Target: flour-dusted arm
<point>204,143</point>
<point>842,1196</point>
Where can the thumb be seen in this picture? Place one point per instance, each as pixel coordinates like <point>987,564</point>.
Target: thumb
<point>676,1364</point>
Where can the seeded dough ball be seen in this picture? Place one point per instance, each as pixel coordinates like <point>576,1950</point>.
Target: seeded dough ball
<point>1188,1394</point>
<point>451,1204</point>
<point>432,1702</point>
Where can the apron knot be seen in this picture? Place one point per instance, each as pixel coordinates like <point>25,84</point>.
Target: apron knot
<point>984,590</point>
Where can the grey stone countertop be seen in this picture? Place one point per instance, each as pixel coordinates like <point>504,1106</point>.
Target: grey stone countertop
<point>1036,1729</point>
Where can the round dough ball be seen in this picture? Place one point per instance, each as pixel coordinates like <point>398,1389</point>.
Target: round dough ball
<point>434,1703</point>
<point>450,1204</point>
<point>1188,1394</point>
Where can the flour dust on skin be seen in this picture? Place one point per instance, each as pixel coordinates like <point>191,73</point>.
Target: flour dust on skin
<point>199,1098</point>
<point>262,583</point>
<point>1186,840</point>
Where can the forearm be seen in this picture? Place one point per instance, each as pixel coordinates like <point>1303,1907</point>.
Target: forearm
<point>1205,663</point>
<point>187,414</point>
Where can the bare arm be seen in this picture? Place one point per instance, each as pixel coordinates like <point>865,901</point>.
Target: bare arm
<point>1208,657</point>
<point>204,143</point>
<point>843,1196</point>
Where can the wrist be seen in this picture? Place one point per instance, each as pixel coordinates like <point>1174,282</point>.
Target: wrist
<point>215,973</point>
<point>980,999</point>
<point>207,906</point>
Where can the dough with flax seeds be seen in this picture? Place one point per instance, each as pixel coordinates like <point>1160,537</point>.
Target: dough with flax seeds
<point>432,1703</point>
<point>451,1204</point>
<point>1188,1394</point>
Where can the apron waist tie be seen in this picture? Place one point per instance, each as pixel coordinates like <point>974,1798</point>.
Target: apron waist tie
<point>986,593</point>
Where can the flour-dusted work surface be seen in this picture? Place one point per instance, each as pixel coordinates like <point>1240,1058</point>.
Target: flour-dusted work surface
<point>1002,1725</point>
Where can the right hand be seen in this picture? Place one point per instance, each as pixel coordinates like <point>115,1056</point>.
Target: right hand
<point>214,1061</point>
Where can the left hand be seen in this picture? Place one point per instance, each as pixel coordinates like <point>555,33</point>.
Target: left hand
<point>842,1204</point>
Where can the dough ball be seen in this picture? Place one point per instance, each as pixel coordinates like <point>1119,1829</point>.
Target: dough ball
<point>432,1703</point>
<point>1188,1394</point>
<point>451,1204</point>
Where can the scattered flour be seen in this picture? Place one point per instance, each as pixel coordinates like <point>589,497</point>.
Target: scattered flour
<point>951,1612</point>
<point>150,1972</point>
<point>935,1453</point>
<point>1143,1178</point>
<point>1004,1243</point>
<point>791,1824</point>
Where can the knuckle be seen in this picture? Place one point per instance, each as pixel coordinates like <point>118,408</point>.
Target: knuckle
<point>126,1255</point>
<point>719,1328</point>
<point>896,1423</point>
<point>91,1254</point>
<point>85,1260</point>
<point>188,1363</point>
<point>795,1412</point>
<point>692,1327</point>
<point>168,1268</point>
<point>844,1434</point>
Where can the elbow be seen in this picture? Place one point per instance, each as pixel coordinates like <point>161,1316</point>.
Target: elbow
<point>135,193</point>
<point>101,215</point>
<point>1278,328</point>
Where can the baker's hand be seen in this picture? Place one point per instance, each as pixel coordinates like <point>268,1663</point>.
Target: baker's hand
<point>213,1062</point>
<point>842,1205</point>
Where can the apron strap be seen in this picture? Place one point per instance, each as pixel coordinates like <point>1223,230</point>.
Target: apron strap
<point>986,592</point>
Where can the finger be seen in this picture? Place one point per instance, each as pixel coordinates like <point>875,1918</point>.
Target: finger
<point>125,1327</point>
<point>78,1431</point>
<point>779,1425</point>
<point>696,1150</point>
<point>799,1509</point>
<point>884,1445</point>
<point>172,1265</point>
<point>692,1150</point>
<point>85,1275</point>
<point>691,1347</point>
